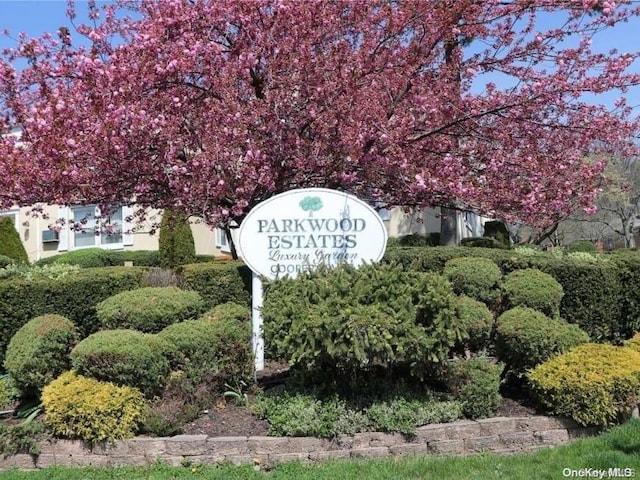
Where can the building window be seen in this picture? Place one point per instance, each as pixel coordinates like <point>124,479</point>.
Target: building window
<point>221,240</point>
<point>96,231</point>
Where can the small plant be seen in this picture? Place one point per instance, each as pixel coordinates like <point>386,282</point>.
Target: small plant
<point>237,393</point>
<point>21,438</point>
<point>8,391</point>
<point>476,383</point>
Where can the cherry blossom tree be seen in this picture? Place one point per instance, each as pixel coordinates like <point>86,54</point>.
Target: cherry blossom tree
<point>210,107</point>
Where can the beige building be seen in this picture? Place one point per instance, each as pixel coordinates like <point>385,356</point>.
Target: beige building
<point>117,234</point>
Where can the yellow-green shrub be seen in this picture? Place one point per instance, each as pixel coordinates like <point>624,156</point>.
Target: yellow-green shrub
<point>93,411</point>
<point>594,384</point>
<point>634,342</point>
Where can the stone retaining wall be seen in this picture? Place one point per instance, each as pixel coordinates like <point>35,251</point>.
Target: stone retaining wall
<point>465,437</point>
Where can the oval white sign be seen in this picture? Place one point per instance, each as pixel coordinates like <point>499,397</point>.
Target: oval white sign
<point>298,230</point>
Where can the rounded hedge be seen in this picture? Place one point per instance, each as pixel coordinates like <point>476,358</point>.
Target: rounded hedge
<point>595,384</point>
<point>476,277</point>
<point>534,289</point>
<point>475,321</point>
<point>220,348</point>
<point>93,411</point>
<point>525,338</point>
<point>39,352</point>
<point>149,309</point>
<point>124,357</point>
<point>227,311</point>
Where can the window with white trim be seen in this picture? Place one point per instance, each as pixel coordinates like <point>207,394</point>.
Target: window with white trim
<point>96,231</point>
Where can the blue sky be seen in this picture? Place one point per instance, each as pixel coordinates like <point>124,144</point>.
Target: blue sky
<point>38,16</point>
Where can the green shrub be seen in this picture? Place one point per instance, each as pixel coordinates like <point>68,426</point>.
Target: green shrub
<point>124,357</point>
<point>98,257</point>
<point>300,414</point>
<point>4,261</point>
<point>475,321</point>
<point>475,382</point>
<point>582,246</point>
<point>346,318</point>
<point>228,311</point>
<point>176,245</point>
<point>149,309</point>
<point>38,272</point>
<point>594,384</point>
<point>525,338</point>
<point>39,352</point>
<point>9,393</point>
<point>221,349</point>
<point>10,244</point>
<point>475,277</point>
<point>482,242</point>
<point>534,289</point>
<point>73,296</point>
<point>219,282</point>
<point>90,410</point>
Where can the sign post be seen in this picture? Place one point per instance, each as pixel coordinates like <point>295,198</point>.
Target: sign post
<point>298,230</point>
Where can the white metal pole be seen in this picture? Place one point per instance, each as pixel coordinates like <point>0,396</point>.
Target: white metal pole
<point>256,321</point>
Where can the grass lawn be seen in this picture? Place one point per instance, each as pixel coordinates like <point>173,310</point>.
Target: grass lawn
<point>620,447</point>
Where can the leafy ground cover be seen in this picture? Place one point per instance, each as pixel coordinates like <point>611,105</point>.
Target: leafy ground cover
<point>618,448</point>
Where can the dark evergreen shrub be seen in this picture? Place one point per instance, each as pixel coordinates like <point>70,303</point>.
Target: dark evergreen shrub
<point>39,352</point>
<point>124,357</point>
<point>149,309</point>
<point>483,242</point>
<point>497,230</point>
<point>10,244</point>
<point>526,338</point>
<point>476,383</point>
<point>176,245</point>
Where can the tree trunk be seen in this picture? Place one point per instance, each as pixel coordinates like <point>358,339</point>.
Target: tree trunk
<point>232,245</point>
<point>449,227</point>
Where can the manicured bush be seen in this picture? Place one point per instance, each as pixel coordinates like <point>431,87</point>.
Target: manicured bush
<point>476,383</point>
<point>526,337</point>
<point>533,289</point>
<point>176,245</point>
<point>73,296</point>
<point>475,277</point>
<point>124,357</point>
<point>220,348</point>
<point>90,410</point>
<point>228,311</point>
<point>98,257</point>
<point>475,321</point>
<point>39,352</point>
<point>594,384</point>
<point>219,282</point>
<point>582,246</point>
<point>482,242</point>
<point>345,319</point>
<point>149,309</point>
<point>10,244</point>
